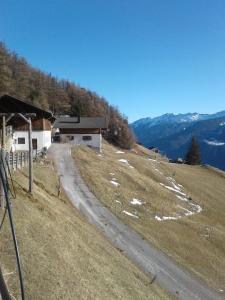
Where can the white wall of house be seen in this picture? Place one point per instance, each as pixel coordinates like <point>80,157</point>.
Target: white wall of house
<point>43,140</point>
<point>92,140</point>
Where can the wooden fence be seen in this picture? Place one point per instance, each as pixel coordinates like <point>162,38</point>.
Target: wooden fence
<point>17,160</point>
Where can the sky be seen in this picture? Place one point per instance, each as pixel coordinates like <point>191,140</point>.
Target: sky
<point>147,57</point>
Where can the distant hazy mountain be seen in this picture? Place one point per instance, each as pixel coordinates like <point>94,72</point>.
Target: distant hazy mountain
<point>172,134</point>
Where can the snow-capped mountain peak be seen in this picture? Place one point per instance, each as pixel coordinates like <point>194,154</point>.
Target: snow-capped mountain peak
<point>176,118</point>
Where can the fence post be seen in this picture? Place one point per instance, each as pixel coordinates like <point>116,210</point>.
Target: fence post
<point>16,161</point>
<point>8,159</point>
<point>13,161</point>
<point>21,160</point>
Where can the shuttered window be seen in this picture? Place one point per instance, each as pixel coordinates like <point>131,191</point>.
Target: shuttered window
<point>21,140</point>
<point>87,138</point>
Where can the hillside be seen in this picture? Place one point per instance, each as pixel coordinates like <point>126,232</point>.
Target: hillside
<point>178,208</point>
<point>18,78</point>
<point>63,257</point>
<point>172,135</point>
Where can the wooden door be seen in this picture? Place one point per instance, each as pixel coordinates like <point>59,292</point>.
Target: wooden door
<point>34,144</point>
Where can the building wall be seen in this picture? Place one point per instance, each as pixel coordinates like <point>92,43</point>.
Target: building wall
<point>43,140</point>
<point>37,124</point>
<point>77,139</point>
<point>79,130</point>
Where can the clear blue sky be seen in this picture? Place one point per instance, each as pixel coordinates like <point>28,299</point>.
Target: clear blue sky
<point>147,57</point>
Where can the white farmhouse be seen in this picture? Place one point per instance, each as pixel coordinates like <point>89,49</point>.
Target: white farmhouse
<point>81,130</point>
<point>41,136</point>
<point>41,124</point>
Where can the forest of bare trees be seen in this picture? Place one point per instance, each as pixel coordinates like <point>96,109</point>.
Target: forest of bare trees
<point>21,80</point>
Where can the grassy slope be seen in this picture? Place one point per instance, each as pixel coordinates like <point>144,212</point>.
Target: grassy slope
<point>196,242</point>
<point>63,257</point>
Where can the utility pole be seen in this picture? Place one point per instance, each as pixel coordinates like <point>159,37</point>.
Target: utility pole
<point>30,157</point>
<point>28,121</point>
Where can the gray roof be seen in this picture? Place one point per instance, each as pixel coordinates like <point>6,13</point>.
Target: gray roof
<point>85,122</point>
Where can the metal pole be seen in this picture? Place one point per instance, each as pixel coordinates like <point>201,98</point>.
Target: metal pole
<point>2,196</point>
<point>30,157</point>
<point>3,131</point>
<point>28,120</point>
<point>3,288</point>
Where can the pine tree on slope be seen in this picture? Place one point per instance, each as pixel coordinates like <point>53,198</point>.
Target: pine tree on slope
<point>193,156</point>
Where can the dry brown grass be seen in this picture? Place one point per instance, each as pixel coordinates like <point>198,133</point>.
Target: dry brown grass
<point>196,242</point>
<point>63,257</point>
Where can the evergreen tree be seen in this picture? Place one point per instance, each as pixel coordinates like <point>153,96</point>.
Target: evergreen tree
<point>5,71</point>
<point>193,156</point>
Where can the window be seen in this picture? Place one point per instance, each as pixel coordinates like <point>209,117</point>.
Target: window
<point>21,140</point>
<point>86,138</point>
<point>70,137</point>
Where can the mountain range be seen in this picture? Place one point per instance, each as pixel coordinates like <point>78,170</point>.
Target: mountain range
<point>172,133</point>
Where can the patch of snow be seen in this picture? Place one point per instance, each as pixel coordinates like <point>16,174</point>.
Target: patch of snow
<point>197,207</point>
<point>173,182</point>
<point>194,117</point>
<point>188,212</point>
<point>136,202</point>
<point>117,201</point>
<point>182,198</point>
<point>152,159</point>
<point>120,152</point>
<point>214,143</point>
<point>113,174</point>
<point>125,161</point>
<point>166,218</point>
<point>100,155</point>
<point>130,214</point>
<point>114,183</point>
<point>158,171</point>
<point>175,186</point>
<point>172,189</point>
<point>114,179</point>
